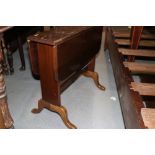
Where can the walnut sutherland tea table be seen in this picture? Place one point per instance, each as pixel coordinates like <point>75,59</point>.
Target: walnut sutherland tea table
<point>59,56</point>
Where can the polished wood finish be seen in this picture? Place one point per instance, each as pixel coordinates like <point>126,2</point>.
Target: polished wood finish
<point>144,89</point>
<point>6,120</point>
<point>48,74</point>
<point>62,54</point>
<point>140,68</point>
<point>137,52</point>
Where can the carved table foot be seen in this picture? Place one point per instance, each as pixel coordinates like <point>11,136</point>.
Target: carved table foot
<point>95,77</point>
<point>39,109</point>
<point>58,109</point>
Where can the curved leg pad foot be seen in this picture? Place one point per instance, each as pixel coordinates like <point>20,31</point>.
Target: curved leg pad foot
<point>39,109</point>
<point>58,109</point>
<point>95,77</point>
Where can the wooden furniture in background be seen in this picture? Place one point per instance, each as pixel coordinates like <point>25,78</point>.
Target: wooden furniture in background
<point>59,56</point>
<point>6,120</point>
<point>14,39</point>
<point>130,101</point>
<point>136,98</point>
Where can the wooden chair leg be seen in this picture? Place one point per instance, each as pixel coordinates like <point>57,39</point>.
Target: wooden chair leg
<point>21,53</point>
<point>10,59</point>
